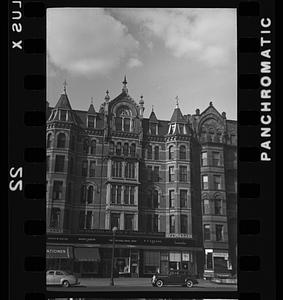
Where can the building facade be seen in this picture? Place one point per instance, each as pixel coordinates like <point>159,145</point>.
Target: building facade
<point>170,188</point>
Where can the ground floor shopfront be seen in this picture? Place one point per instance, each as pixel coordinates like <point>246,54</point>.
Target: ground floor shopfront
<point>95,260</point>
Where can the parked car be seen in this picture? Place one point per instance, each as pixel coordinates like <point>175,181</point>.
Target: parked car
<point>174,278</point>
<point>59,277</point>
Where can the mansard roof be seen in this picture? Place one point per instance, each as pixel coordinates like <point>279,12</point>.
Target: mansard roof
<point>63,102</point>
<point>177,116</point>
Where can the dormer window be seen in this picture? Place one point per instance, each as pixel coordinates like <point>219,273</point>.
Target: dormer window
<point>91,121</point>
<point>63,115</point>
<point>153,129</point>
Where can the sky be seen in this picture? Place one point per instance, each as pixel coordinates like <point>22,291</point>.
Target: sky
<point>164,53</point>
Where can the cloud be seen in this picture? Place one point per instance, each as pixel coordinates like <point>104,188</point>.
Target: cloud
<point>206,35</point>
<point>134,62</point>
<point>87,41</point>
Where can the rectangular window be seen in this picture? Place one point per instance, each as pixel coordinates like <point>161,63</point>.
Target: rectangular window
<point>132,195</point>
<point>90,121</point>
<point>118,124</point>
<point>55,217</point>
<point>126,195</point>
<point>130,170</point>
<point>209,263</point>
<point>184,224</point>
<point>57,190</point>
<point>126,124</point>
<point>119,190</point>
<point>155,223</point>
<point>219,232</point>
<point>156,173</point>
<point>129,222</point>
<point>59,163</point>
<point>88,220</point>
<point>149,223</point>
<point>206,232</point>
<point>172,224</point>
<point>117,169</point>
<point>205,182</point>
<point>92,169</point>
<point>171,174</point>
<point>47,163</point>
<point>149,172</point>
<point>217,182</point>
<point>183,198</point>
<point>82,220</point>
<point>113,193</point>
<point>63,115</point>
<point>183,173</point>
<point>204,159</point>
<point>84,168</point>
<point>216,158</point>
<point>218,207</point>
<point>114,220</point>
<point>153,129</point>
<point>171,198</point>
<point>206,207</point>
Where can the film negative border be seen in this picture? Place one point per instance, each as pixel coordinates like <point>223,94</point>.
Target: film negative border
<point>27,151</point>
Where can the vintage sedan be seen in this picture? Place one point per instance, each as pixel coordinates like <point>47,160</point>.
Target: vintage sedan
<point>174,278</point>
<point>59,277</point>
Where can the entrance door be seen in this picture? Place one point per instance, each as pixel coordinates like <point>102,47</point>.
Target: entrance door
<point>164,267</point>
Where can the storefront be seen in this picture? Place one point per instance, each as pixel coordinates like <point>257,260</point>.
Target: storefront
<point>86,261</point>
<point>216,263</point>
<point>59,257</point>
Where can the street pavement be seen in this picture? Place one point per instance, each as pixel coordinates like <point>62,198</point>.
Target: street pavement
<point>133,284</point>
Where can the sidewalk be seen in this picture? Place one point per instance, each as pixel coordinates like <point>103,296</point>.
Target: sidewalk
<point>90,282</point>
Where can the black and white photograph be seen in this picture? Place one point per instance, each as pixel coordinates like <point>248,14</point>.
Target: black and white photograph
<point>141,149</point>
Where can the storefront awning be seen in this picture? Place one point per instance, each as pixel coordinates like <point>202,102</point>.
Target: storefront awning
<point>87,254</point>
<point>59,252</point>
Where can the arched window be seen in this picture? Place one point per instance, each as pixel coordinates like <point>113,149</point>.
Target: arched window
<point>90,194</point>
<point>85,146</point>
<point>182,152</point>
<point>92,169</point>
<point>127,124</point>
<point>126,149</point>
<point>155,199</point>
<point>156,153</point>
<point>171,152</point>
<point>93,147</point>
<point>111,148</point>
<point>149,152</point>
<point>118,124</point>
<point>133,150</point>
<point>49,140</point>
<point>55,217</point>
<point>118,148</point>
<point>61,140</point>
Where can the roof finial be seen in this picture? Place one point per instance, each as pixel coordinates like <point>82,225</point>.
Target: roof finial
<point>177,101</point>
<point>64,86</point>
<point>107,97</point>
<point>125,89</point>
<point>210,103</point>
<point>91,100</point>
<point>152,108</point>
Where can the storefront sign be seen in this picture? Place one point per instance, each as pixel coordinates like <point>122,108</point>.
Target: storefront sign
<point>185,256</point>
<point>58,252</point>
<point>179,235</point>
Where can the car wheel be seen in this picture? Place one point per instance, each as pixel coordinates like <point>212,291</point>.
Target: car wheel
<point>159,283</point>
<point>189,283</point>
<point>66,283</point>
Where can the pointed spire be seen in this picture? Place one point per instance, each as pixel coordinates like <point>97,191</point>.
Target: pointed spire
<point>152,117</point>
<point>125,89</point>
<point>177,116</point>
<point>64,87</point>
<point>91,109</point>
<point>91,100</point>
<point>177,101</point>
<point>152,108</point>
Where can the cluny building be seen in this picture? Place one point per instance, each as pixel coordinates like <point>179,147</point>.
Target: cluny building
<point>169,186</point>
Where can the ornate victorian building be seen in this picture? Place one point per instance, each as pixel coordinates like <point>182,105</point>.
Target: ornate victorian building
<point>168,186</point>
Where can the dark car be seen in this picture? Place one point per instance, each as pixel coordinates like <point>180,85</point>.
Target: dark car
<point>174,278</point>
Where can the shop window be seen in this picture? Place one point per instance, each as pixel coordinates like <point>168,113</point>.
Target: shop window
<point>219,232</point>
<point>182,152</point>
<point>151,262</point>
<point>126,149</point>
<point>55,217</point>
<point>92,169</point>
<point>217,182</point>
<point>171,174</point>
<point>156,174</point>
<point>183,198</point>
<point>209,262</point>
<point>118,148</point>
<point>204,160</point>
<point>216,159</point>
<point>93,147</point>
<point>61,140</point>
<point>84,168</point>
<point>206,207</point>
<point>49,141</point>
<point>129,222</point>
<point>217,206</point>
<point>156,153</point>
<point>90,121</point>
<point>205,182</point>
<point>183,173</point>
<point>47,163</point>
<point>171,198</point>
<point>117,169</point>
<point>57,190</point>
<point>184,224</point>
<point>59,163</point>
<point>206,232</point>
<point>133,150</point>
<point>90,194</point>
<point>83,194</point>
<point>171,152</point>
<point>172,224</point>
<point>114,220</point>
<point>149,152</point>
<point>63,115</point>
